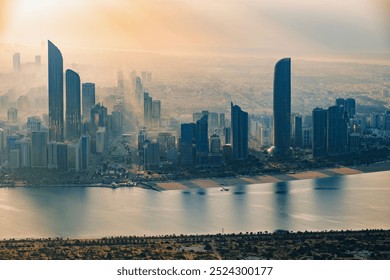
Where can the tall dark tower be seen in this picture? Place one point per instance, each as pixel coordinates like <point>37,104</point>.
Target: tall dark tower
<point>282,106</point>
<point>73,114</point>
<point>239,131</point>
<point>88,98</point>
<point>56,94</point>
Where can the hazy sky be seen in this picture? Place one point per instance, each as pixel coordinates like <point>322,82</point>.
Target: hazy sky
<point>358,28</point>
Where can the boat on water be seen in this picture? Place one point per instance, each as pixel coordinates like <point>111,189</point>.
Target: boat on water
<point>223,189</point>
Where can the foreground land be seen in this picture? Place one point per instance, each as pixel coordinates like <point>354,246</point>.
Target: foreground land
<point>367,244</point>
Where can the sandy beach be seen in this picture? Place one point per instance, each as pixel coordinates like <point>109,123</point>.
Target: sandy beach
<point>260,179</point>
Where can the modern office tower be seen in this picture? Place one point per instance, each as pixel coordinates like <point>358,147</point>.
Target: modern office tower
<point>240,132</point>
<point>12,115</point>
<point>307,137</point>
<point>350,104</point>
<point>52,155</point>
<point>56,94</point>
<point>187,143</point>
<point>172,155</point>
<point>84,151</point>
<point>213,120</point>
<point>319,132</point>
<point>386,120</point>
<point>88,100</point>
<point>73,110</point>
<point>297,131</point>
<point>156,113</point>
<point>215,145</point>
<point>265,137</point>
<point>25,152</point>
<point>166,141</point>
<point>354,142</point>
<point>62,156</point>
<point>202,140</point>
<point>16,62</point>
<point>222,120</point>
<point>375,121</point>
<point>142,137</point>
<point>138,90</point>
<point>98,116</point>
<point>282,107</point>
<point>100,140</point>
<point>38,149</point>
<point>12,144</point>
<point>337,131</point>
<point>148,101</point>
<point>3,145</point>
<point>227,133</point>
<point>215,156</point>
<point>33,124</point>
<point>73,157</point>
<point>117,122</point>
<point>151,155</point>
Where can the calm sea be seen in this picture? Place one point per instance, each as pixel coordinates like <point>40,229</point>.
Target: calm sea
<point>345,202</point>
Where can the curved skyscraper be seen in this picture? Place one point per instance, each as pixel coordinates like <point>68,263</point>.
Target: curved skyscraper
<point>73,114</point>
<point>282,106</point>
<point>56,94</point>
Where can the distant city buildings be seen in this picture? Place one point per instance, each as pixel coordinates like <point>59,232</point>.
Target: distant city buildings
<point>88,100</point>
<point>73,105</point>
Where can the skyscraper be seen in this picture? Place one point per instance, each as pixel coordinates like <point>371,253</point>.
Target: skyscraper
<point>186,144</point>
<point>319,132</point>
<point>73,114</point>
<point>88,99</point>
<point>337,130</point>
<point>148,101</point>
<point>56,94</point>
<point>282,106</point>
<point>202,140</point>
<point>38,149</point>
<point>239,131</point>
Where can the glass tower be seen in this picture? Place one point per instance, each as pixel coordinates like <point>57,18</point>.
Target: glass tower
<point>56,94</point>
<point>282,106</point>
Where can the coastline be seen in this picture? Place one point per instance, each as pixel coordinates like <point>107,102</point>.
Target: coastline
<point>269,178</point>
<point>221,182</point>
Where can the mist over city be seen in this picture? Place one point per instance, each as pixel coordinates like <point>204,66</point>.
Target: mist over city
<point>178,109</point>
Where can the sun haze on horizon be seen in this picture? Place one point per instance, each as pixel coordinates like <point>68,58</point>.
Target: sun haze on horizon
<point>355,28</point>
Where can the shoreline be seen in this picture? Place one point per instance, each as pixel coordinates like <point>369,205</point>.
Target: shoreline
<point>222,182</point>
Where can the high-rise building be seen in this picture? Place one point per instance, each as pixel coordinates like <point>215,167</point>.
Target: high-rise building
<point>350,104</point>
<point>319,132</point>
<point>148,101</point>
<point>240,132</point>
<point>297,130</point>
<point>56,94</point>
<point>222,120</point>
<point>73,114</point>
<point>337,130</point>
<point>52,155</point>
<point>33,124</point>
<point>16,62</point>
<point>156,112</point>
<point>88,100</point>
<point>151,155</point>
<point>39,149</point>
<point>202,140</point>
<point>187,143</point>
<point>282,107</point>
<point>84,147</point>
<point>25,152</point>
<point>12,115</point>
<point>138,90</point>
